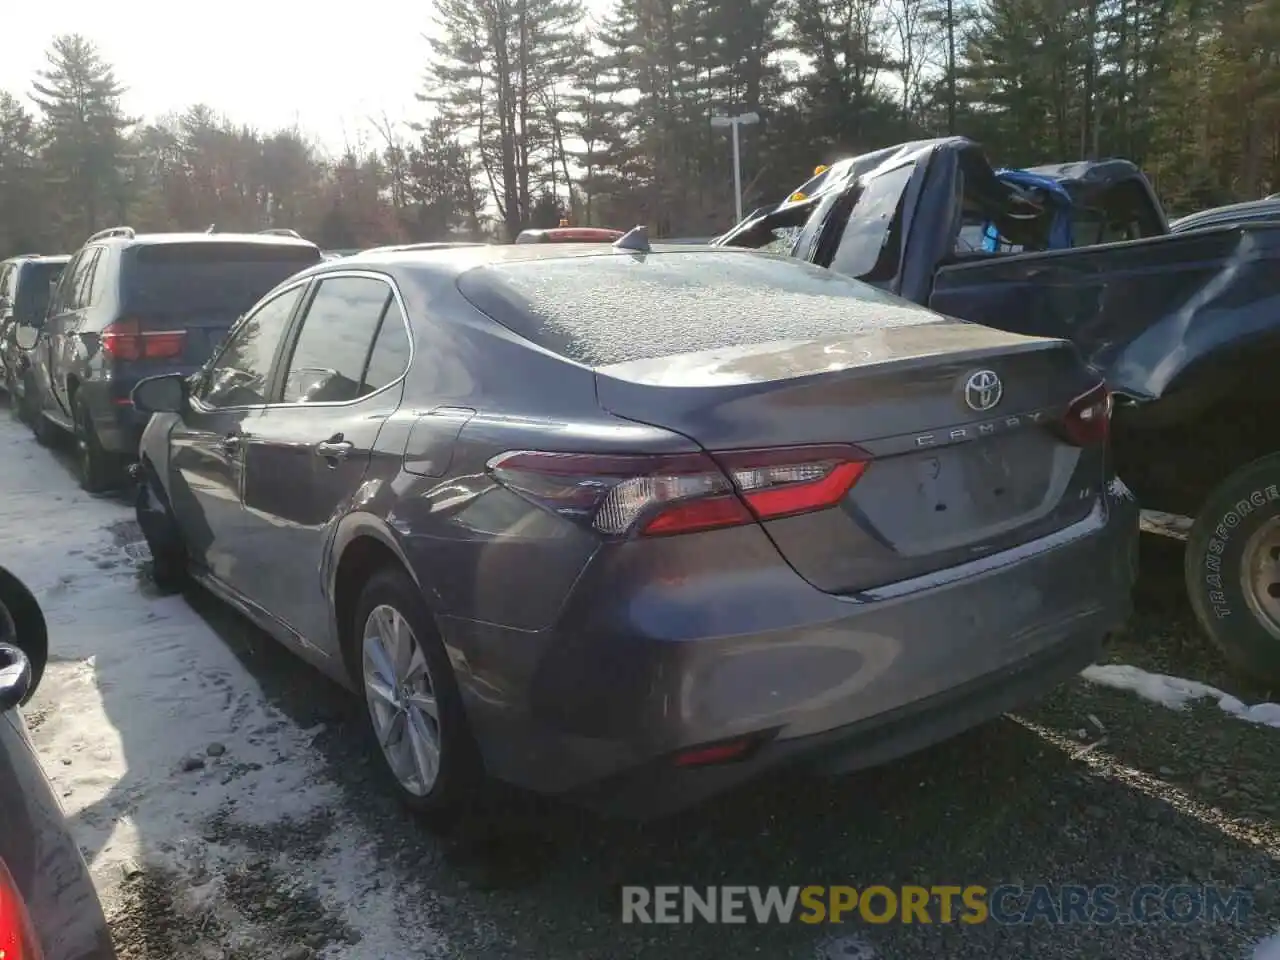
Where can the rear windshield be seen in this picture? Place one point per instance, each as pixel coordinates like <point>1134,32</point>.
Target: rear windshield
<point>611,309</point>
<point>218,279</point>
<point>32,301</point>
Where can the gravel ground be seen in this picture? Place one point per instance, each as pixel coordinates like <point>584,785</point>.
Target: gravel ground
<point>1090,786</point>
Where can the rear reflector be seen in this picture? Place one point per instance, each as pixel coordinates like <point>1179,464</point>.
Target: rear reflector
<point>716,753</point>
<point>1088,418</point>
<point>17,935</point>
<point>661,495</point>
<point>126,340</point>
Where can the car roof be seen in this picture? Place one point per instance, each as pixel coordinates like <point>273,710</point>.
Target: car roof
<point>39,258</point>
<point>459,259</point>
<point>1249,209</point>
<point>266,239</point>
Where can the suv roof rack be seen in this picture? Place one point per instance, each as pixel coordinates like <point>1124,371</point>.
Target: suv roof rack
<point>126,232</point>
<point>281,232</point>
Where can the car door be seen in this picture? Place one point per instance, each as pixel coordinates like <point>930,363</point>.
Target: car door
<point>66,350</point>
<point>340,379</point>
<point>206,446</point>
<point>8,273</point>
<point>61,305</point>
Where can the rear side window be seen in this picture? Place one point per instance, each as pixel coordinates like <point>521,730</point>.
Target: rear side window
<point>7,274</point>
<point>872,239</point>
<point>64,298</point>
<point>598,310</point>
<point>207,280</point>
<point>332,350</point>
<point>90,279</point>
<point>390,357</point>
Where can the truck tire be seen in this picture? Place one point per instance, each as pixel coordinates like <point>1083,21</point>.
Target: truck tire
<point>1232,568</point>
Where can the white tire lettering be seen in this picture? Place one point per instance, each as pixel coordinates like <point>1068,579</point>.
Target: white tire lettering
<point>1217,544</point>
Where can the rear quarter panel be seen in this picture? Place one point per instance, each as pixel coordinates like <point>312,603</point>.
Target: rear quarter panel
<point>471,542</point>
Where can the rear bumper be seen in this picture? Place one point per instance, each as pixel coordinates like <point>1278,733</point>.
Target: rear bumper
<point>840,682</point>
<point>118,424</point>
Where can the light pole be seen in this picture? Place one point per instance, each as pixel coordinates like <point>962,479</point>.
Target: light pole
<point>736,122</point>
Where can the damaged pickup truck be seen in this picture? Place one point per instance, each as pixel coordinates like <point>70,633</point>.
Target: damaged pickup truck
<point>1185,328</point>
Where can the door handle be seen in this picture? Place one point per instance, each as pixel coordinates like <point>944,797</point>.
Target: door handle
<point>229,443</point>
<point>334,449</point>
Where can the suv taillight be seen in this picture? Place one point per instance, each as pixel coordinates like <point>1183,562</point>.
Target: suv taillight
<point>1088,417</point>
<point>661,495</point>
<point>17,935</point>
<point>126,340</point>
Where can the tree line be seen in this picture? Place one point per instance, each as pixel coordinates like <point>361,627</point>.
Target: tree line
<point>533,112</point>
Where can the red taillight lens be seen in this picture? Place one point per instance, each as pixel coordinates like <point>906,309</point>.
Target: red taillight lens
<point>1088,418</point>
<point>17,936</point>
<point>682,493</point>
<point>126,340</point>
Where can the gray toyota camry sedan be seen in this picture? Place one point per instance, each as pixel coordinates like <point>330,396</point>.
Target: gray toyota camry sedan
<point>633,524</point>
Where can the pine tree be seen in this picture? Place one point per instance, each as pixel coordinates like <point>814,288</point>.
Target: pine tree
<point>84,132</point>
<point>493,71</point>
<point>22,197</point>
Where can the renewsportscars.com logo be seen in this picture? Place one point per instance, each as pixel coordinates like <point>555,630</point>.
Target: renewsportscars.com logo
<point>941,903</point>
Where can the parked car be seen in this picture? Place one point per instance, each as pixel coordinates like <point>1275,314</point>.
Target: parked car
<point>24,298</point>
<point>569,235</point>
<point>1184,326</point>
<point>1267,210</point>
<point>49,909</point>
<point>129,305</point>
<point>632,529</point>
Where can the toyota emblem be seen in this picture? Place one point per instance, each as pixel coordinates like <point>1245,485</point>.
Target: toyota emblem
<point>983,390</point>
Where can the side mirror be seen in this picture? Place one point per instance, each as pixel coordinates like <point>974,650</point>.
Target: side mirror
<point>16,684</point>
<point>24,642</point>
<point>166,393</point>
<point>25,337</point>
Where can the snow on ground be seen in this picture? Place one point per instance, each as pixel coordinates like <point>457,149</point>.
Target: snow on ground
<point>1175,692</point>
<point>171,766</point>
<point>1268,949</point>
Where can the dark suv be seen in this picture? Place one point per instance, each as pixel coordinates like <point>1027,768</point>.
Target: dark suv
<point>24,298</point>
<point>131,305</point>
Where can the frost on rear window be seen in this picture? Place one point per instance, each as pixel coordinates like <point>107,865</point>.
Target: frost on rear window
<point>611,309</point>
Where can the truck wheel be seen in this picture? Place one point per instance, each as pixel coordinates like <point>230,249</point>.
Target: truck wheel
<point>1232,568</point>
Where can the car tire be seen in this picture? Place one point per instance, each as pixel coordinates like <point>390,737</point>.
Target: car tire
<point>388,594</point>
<point>169,569</point>
<point>1232,568</point>
<point>46,433</point>
<point>93,464</point>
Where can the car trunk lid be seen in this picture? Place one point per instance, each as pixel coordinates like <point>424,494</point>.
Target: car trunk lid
<point>964,426</point>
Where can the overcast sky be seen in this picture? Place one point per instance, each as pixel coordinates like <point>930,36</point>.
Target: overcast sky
<point>326,67</point>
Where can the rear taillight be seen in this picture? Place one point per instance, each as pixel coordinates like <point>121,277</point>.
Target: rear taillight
<point>1088,417</point>
<point>661,495</point>
<point>17,935</point>
<point>126,340</point>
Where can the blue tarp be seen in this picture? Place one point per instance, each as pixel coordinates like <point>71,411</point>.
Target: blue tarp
<point>1060,237</point>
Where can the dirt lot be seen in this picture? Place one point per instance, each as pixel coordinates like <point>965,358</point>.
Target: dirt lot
<point>224,798</point>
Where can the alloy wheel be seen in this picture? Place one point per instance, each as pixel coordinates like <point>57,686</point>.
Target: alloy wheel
<point>401,700</point>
